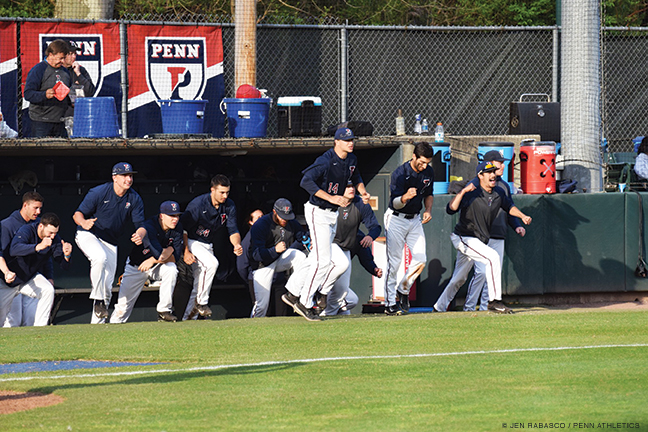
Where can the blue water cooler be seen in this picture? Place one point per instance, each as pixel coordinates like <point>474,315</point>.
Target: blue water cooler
<point>441,167</point>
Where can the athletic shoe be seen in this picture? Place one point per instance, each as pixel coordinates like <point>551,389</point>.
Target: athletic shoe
<point>393,310</point>
<point>193,313</point>
<point>320,300</point>
<point>100,310</point>
<point>498,307</point>
<point>204,311</point>
<point>167,316</point>
<point>403,301</point>
<point>290,299</point>
<point>305,312</point>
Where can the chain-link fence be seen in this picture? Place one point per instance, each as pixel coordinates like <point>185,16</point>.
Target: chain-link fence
<point>463,77</point>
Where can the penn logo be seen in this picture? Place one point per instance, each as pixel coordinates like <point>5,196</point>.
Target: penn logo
<point>175,67</point>
<point>89,53</point>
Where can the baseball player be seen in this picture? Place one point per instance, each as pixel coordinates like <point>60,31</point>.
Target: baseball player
<point>23,308</point>
<point>155,259</point>
<point>411,187</point>
<point>101,217</point>
<point>205,215</point>
<point>479,206</point>
<point>325,181</point>
<point>497,235</point>
<point>342,298</point>
<point>274,247</point>
<point>27,269</point>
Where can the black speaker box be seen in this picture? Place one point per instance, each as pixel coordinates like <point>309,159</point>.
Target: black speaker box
<point>538,118</point>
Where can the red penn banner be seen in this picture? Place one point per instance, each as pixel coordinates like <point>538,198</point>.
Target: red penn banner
<point>174,63</point>
<point>8,73</point>
<point>99,54</point>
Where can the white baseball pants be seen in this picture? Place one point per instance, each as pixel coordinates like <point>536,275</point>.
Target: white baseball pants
<point>37,287</point>
<point>262,279</point>
<point>132,284</point>
<point>341,299</point>
<point>399,232</point>
<point>204,270</point>
<point>469,251</point>
<point>103,264</point>
<point>478,283</point>
<point>322,225</point>
<point>22,312</point>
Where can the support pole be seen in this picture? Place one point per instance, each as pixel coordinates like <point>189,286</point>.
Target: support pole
<point>245,43</point>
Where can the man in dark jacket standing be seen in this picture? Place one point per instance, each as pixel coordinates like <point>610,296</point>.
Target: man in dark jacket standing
<point>46,111</point>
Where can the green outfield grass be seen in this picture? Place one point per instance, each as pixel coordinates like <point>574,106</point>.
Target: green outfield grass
<point>466,391</point>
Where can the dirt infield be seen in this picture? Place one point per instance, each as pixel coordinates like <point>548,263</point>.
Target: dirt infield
<point>11,402</point>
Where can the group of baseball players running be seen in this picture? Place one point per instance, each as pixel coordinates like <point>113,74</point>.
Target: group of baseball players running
<point>317,259</point>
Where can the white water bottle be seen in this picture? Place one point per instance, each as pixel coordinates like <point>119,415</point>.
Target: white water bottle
<point>424,127</point>
<point>438,133</point>
<point>417,126</point>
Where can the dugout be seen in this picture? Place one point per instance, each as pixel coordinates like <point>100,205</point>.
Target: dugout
<point>261,171</point>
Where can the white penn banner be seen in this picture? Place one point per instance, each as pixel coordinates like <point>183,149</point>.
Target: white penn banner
<point>175,67</point>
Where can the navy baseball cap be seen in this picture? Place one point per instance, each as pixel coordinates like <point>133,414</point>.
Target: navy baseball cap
<point>485,167</point>
<point>170,208</point>
<point>284,209</point>
<point>123,168</point>
<point>73,47</point>
<point>494,155</point>
<point>344,134</point>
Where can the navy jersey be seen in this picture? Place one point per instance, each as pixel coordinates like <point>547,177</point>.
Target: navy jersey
<point>156,240</point>
<point>9,227</point>
<point>111,211</point>
<point>402,179</point>
<point>349,219</point>
<point>331,174</point>
<point>201,219</point>
<point>265,234</point>
<point>498,229</point>
<point>26,262</point>
<point>478,211</point>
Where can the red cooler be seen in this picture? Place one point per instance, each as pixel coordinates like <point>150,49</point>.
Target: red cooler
<point>538,167</point>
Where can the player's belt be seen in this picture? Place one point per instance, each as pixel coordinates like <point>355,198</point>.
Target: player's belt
<point>404,215</point>
<point>327,208</point>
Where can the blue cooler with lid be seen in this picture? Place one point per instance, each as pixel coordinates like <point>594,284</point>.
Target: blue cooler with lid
<point>507,150</point>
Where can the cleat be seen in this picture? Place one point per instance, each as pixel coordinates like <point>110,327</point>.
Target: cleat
<point>305,312</point>
<point>100,310</point>
<point>403,301</point>
<point>204,311</point>
<point>393,310</point>
<point>290,299</point>
<point>320,300</point>
<point>192,314</point>
<point>498,307</point>
<point>166,316</point>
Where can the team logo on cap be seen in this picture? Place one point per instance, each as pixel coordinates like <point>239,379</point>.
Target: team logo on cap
<point>90,56</point>
<point>174,207</point>
<point>175,67</point>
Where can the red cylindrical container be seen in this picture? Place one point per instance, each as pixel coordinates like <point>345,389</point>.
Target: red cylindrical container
<point>538,167</point>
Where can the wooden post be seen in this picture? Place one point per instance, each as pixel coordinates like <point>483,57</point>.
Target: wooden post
<point>245,43</point>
